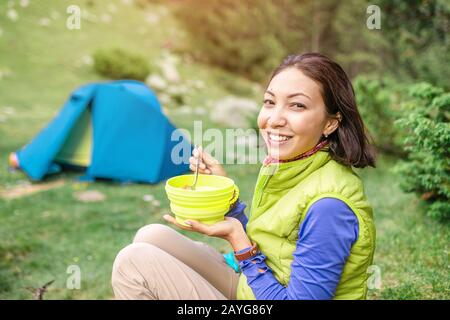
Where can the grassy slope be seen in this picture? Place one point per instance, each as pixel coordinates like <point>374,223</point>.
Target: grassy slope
<point>41,235</point>
<point>412,249</point>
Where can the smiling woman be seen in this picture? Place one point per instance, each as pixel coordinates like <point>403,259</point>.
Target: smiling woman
<point>310,233</point>
<point>309,98</point>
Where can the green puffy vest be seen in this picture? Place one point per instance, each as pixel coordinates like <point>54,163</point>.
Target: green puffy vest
<point>283,194</point>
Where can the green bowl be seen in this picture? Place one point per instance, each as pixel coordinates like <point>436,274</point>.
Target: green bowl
<point>208,203</point>
<point>189,199</point>
<point>207,185</point>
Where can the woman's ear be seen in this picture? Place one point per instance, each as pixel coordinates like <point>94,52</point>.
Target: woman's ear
<point>332,124</point>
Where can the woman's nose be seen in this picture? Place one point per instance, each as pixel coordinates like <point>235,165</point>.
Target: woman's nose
<point>276,118</point>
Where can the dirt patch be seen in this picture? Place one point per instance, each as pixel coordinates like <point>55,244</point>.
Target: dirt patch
<point>27,189</point>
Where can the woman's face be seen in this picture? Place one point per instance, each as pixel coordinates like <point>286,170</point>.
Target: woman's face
<point>293,117</point>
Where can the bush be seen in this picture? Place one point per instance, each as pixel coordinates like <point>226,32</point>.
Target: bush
<point>251,37</point>
<point>245,37</point>
<point>120,64</point>
<point>426,169</point>
<point>377,101</point>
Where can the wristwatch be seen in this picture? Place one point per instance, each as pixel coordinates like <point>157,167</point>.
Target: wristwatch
<point>253,251</point>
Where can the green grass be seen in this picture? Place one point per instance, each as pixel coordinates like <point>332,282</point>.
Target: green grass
<point>412,249</point>
<point>42,234</point>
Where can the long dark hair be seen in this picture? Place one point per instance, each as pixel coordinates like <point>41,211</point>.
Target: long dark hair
<point>350,144</point>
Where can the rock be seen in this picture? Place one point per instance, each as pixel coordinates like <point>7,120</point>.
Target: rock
<point>152,18</point>
<point>87,60</point>
<point>170,71</point>
<point>24,3</point>
<point>89,196</point>
<point>233,111</point>
<point>164,98</point>
<point>156,203</point>
<point>112,8</point>
<point>200,111</point>
<point>184,109</point>
<point>148,197</point>
<point>55,15</point>
<point>106,18</point>
<point>12,15</point>
<point>45,22</point>
<point>156,82</point>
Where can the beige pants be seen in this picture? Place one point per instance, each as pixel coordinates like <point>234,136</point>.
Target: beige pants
<point>163,264</point>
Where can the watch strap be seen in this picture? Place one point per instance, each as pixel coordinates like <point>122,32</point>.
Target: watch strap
<point>253,251</point>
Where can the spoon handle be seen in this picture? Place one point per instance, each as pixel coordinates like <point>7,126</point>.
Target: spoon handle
<point>196,168</point>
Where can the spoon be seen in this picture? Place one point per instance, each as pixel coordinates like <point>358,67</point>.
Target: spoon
<point>192,187</point>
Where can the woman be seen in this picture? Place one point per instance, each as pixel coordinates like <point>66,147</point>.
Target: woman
<point>310,233</point>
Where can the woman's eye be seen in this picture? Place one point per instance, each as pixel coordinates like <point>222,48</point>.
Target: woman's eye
<point>268,101</point>
<point>299,105</point>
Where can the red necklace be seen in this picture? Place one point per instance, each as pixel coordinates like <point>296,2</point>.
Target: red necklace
<point>306,154</point>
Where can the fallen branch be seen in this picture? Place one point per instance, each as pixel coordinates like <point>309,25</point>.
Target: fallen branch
<point>38,293</point>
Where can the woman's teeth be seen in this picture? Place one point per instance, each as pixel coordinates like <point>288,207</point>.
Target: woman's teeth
<point>277,138</point>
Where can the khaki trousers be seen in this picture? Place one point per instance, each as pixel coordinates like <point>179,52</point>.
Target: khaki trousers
<point>163,264</point>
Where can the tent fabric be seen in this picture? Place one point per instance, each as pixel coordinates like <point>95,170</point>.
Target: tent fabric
<point>77,148</point>
<point>126,136</point>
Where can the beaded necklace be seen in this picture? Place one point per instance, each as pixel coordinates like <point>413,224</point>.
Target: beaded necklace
<point>306,154</point>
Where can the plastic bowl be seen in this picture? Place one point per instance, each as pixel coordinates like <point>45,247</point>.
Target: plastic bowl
<point>208,203</point>
<point>207,185</point>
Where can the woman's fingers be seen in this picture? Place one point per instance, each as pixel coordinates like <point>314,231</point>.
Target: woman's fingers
<point>199,227</point>
<point>205,157</point>
<point>193,225</point>
<point>207,164</point>
<point>203,171</point>
<point>172,220</point>
<point>193,161</point>
<point>202,166</point>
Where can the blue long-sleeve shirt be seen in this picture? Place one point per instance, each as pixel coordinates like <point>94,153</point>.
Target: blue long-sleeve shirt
<point>324,242</point>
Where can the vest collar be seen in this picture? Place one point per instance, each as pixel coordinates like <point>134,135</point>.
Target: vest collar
<point>285,175</point>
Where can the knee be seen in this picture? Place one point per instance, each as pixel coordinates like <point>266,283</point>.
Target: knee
<point>130,257</point>
<point>129,265</point>
<point>153,233</point>
<point>127,256</point>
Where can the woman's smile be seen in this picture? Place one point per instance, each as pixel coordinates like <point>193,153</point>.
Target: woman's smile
<point>278,139</point>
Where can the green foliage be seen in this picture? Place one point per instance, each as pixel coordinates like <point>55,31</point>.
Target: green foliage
<point>418,35</point>
<point>240,36</point>
<point>406,291</point>
<point>426,170</point>
<point>117,63</point>
<point>377,101</point>
<point>252,37</point>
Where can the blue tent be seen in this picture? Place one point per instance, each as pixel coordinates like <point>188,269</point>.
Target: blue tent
<point>116,130</point>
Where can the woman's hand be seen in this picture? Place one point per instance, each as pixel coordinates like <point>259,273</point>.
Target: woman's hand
<point>229,229</point>
<point>207,164</point>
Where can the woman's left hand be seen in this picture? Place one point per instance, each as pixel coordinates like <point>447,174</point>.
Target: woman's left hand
<point>229,229</point>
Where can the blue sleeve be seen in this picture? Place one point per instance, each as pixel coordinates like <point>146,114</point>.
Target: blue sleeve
<point>324,242</point>
<point>237,211</point>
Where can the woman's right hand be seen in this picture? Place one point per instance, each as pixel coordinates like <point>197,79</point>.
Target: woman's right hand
<point>207,164</point>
